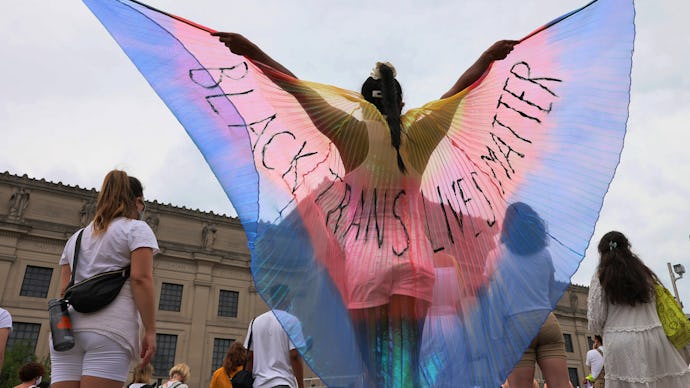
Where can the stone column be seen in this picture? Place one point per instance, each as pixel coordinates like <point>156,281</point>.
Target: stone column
<point>202,299</point>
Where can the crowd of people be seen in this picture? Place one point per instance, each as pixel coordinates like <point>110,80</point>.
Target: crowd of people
<point>621,310</point>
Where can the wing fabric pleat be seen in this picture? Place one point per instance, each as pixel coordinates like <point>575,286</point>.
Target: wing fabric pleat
<point>259,160</point>
<point>504,185</point>
<point>543,128</point>
<point>183,83</point>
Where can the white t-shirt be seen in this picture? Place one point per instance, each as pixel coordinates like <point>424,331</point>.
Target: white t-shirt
<point>595,361</point>
<point>271,346</point>
<point>5,319</point>
<point>108,252</point>
<point>111,250</point>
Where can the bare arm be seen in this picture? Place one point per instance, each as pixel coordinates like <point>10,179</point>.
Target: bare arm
<point>348,135</point>
<point>496,52</point>
<point>141,279</point>
<point>4,334</point>
<point>65,274</point>
<point>240,45</point>
<point>296,362</point>
<point>427,132</point>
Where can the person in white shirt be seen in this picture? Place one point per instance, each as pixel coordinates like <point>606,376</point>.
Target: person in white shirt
<point>595,361</point>
<point>273,359</point>
<point>5,328</point>
<point>108,340</point>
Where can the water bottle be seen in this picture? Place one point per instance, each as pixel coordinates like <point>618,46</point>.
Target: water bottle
<point>60,325</point>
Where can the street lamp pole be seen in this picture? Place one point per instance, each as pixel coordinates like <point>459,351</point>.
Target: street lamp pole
<point>680,270</point>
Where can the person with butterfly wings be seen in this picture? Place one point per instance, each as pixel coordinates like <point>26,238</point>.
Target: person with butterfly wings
<point>388,276</point>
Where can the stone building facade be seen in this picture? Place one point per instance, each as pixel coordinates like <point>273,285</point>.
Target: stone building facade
<point>204,291</point>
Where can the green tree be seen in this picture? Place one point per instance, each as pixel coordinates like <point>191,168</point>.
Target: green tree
<point>19,354</point>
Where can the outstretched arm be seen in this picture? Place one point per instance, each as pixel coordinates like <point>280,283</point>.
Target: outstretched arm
<point>348,134</point>
<point>428,131</point>
<point>240,45</point>
<point>496,52</point>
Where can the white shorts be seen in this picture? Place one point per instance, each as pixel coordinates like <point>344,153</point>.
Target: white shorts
<point>92,355</point>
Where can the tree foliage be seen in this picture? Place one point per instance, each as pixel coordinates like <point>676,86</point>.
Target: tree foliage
<point>15,357</point>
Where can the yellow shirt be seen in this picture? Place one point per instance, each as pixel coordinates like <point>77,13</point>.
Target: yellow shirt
<point>221,379</point>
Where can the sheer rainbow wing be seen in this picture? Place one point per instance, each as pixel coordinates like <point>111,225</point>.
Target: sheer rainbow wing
<point>262,144</point>
<point>263,147</point>
<point>544,127</point>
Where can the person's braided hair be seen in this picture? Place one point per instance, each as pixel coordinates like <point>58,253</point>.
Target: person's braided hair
<point>386,94</point>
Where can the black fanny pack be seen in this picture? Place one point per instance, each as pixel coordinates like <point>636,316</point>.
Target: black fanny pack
<point>96,292</point>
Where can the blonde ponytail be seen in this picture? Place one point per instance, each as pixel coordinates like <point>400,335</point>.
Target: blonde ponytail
<point>117,198</point>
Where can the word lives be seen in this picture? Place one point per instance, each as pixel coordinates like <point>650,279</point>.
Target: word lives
<point>521,111</point>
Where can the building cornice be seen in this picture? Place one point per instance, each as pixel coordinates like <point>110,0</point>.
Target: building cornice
<point>91,193</point>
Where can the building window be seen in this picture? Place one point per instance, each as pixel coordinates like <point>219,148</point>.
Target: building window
<point>227,303</point>
<point>568,343</point>
<point>36,281</point>
<point>166,346</point>
<point>171,297</point>
<point>220,347</point>
<point>26,333</point>
<point>574,378</point>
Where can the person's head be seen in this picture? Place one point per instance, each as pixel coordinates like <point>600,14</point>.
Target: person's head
<point>142,375</point>
<point>279,297</point>
<point>32,372</point>
<point>179,372</point>
<point>524,232</point>
<point>623,276</point>
<point>598,341</point>
<point>385,93</point>
<point>120,196</point>
<point>236,356</point>
<point>382,83</point>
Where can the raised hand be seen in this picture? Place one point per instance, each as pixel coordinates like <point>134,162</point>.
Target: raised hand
<point>500,49</point>
<point>238,44</point>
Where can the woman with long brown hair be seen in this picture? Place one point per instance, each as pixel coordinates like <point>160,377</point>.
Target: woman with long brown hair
<point>622,307</point>
<point>106,341</point>
<point>234,361</point>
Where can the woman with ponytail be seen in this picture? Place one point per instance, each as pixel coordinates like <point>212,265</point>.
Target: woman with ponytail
<point>622,307</point>
<point>107,341</point>
<point>387,276</point>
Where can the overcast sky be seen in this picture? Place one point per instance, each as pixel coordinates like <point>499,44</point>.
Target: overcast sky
<point>73,106</point>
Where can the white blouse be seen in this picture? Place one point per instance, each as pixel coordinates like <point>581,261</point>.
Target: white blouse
<point>638,353</point>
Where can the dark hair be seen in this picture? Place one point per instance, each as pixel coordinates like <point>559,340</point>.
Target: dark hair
<point>598,338</point>
<point>623,276</point>
<point>117,198</point>
<point>388,103</point>
<point>236,356</point>
<point>279,296</point>
<point>524,232</point>
<point>30,371</point>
